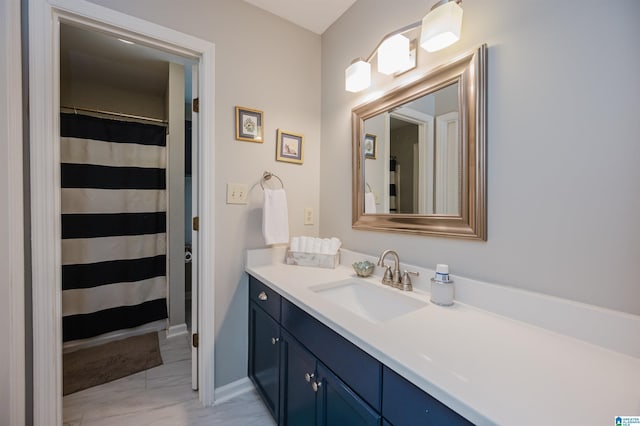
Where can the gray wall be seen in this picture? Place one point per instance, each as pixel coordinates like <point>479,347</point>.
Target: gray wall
<point>563,147</point>
<point>262,62</point>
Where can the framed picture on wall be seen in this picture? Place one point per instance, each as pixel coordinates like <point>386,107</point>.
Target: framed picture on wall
<point>289,147</point>
<point>370,146</point>
<point>249,125</point>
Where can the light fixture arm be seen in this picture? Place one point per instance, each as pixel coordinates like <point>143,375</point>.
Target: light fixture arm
<point>441,2</point>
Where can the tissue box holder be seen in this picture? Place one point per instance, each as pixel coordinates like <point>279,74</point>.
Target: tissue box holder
<point>329,261</point>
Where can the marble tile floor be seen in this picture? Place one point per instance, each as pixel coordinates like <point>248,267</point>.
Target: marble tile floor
<point>160,396</point>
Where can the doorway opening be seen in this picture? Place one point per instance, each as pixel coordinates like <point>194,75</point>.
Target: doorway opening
<point>126,200</point>
<point>45,20</point>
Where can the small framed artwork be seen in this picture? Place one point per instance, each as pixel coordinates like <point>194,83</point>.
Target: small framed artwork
<point>290,147</point>
<point>370,146</point>
<point>249,125</point>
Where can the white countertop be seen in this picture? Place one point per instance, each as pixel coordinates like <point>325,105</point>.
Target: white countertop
<point>489,368</point>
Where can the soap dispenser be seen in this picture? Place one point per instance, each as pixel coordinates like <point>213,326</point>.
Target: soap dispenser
<point>442,286</point>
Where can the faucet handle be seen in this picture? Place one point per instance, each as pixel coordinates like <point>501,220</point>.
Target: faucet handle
<point>387,277</point>
<point>406,280</point>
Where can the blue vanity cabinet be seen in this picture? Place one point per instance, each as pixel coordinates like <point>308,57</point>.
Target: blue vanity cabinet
<point>405,404</point>
<point>311,394</point>
<point>358,369</point>
<point>339,405</point>
<point>264,344</point>
<point>297,397</point>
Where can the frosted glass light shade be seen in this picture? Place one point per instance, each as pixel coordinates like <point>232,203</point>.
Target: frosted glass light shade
<point>441,27</point>
<point>393,54</point>
<point>357,76</point>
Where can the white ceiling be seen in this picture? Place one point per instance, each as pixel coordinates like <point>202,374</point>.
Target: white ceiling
<point>94,56</point>
<point>314,15</point>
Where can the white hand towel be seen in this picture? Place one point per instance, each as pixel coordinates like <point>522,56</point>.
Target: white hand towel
<point>275,217</point>
<point>370,203</point>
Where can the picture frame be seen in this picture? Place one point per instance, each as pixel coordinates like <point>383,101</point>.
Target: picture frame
<point>249,125</point>
<point>289,147</point>
<point>370,146</point>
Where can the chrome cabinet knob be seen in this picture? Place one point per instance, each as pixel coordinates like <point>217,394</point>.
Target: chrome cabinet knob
<point>262,296</point>
<point>308,377</point>
<point>275,340</point>
<point>315,386</point>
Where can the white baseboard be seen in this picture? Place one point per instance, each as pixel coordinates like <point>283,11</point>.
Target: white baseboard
<point>74,345</point>
<point>177,330</point>
<point>231,390</point>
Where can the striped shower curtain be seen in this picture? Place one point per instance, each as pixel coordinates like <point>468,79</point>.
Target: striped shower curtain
<point>114,239</point>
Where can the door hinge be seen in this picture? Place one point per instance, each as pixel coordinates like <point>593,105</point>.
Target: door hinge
<point>194,340</point>
<point>196,105</point>
<point>196,223</point>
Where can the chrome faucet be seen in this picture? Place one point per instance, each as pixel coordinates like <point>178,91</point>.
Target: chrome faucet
<point>394,278</point>
<point>390,278</point>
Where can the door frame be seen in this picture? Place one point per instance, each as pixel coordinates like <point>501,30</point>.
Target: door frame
<point>44,99</point>
<point>425,123</point>
<point>12,213</point>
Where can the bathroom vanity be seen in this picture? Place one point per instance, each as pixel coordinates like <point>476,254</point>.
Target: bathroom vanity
<point>325,345</point>
<point>304,371</point>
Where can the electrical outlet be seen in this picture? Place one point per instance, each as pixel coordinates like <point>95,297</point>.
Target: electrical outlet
<point>237,193</point>
<point>308,216</point>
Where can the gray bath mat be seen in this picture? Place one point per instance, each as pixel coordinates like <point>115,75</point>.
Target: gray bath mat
<point>94,366</point>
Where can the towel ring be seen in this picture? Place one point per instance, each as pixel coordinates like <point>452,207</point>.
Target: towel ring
<point>268,175</point>
<point>369,187</point>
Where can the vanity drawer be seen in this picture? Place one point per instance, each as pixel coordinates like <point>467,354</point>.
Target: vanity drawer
<point>265,298</point>
<point>356,368</point>
<point>403,403</point>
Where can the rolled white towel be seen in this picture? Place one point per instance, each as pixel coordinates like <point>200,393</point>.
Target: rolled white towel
<point>295,244</point>
<point>317,245</point>
<point>335,245</point>
<point>325,247</point>
<point>308,245</point>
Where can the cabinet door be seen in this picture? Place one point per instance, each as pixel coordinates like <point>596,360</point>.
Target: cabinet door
<point>298,377</point>
<point>298,395</point>
<point>264,356</point>
<point>339,405</point>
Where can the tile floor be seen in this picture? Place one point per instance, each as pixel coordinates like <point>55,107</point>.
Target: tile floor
<point>160,396</point>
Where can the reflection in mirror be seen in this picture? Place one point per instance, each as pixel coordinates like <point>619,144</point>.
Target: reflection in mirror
<point>416,170</point>
<point>419,154</point>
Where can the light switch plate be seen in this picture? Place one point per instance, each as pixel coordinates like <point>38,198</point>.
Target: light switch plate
<point>308,216</point>
<point>237,193</point>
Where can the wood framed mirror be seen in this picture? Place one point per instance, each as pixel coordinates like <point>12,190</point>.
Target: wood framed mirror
<point>428,174</point>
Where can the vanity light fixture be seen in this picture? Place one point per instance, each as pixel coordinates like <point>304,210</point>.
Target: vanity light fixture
<point>358,75</point>
<point>440,29</point>
<point>393,54</point>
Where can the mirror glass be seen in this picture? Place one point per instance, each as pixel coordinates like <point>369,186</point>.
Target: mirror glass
<point>416,168</point>
<point>419,154</point>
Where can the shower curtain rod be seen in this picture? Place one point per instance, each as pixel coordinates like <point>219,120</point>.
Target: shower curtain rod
<point>118,114</point>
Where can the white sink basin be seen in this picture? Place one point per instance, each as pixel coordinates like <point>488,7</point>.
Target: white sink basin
<point>369,301</point>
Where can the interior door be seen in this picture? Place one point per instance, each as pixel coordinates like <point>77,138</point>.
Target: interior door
<point>195,260</point>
